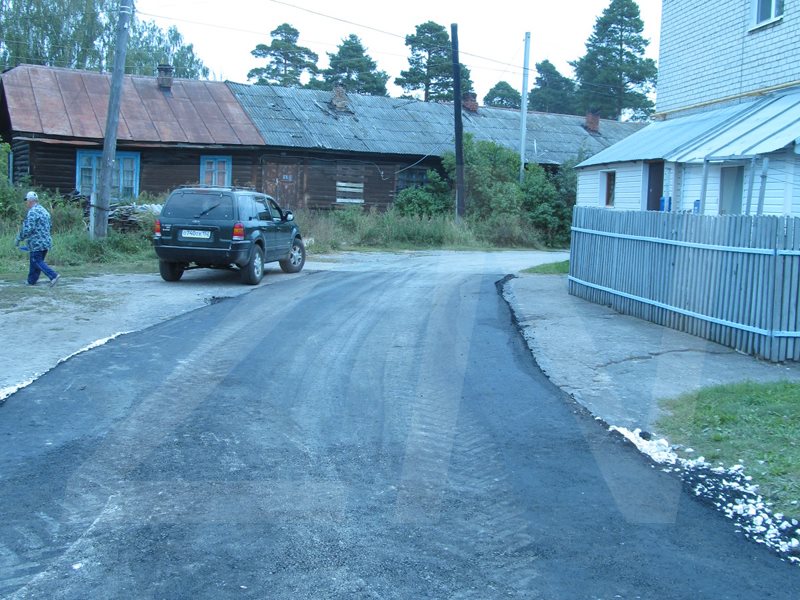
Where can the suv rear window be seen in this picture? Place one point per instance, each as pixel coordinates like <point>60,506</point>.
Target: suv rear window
<point>199,205</point>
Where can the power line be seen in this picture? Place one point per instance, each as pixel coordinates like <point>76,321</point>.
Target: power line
<point>602,89</point>
<point>504,64</point>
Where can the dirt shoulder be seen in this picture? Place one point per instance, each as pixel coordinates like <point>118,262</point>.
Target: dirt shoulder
<point>42,326</point>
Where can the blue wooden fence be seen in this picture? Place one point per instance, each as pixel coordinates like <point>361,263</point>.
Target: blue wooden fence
<point>731,279</point>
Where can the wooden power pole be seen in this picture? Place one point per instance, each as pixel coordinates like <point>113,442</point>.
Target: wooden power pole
<point>100,206</point>
<point>460,190</point>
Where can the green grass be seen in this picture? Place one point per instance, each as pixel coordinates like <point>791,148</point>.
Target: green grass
<point>554,268</point>
<point>74,254</point>
<point>752,424</point>
<point>355,229</point>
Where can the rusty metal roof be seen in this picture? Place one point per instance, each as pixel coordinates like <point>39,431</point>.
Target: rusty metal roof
<point>310,120</point>
<point>69,103</point>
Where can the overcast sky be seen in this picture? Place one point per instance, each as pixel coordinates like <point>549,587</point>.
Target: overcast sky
<point>491,34</point>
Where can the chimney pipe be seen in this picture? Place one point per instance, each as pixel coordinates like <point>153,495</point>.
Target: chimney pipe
<point>165,76</point>
<point>339,101</point>
<point>592,123</point>
<point>469,101</point>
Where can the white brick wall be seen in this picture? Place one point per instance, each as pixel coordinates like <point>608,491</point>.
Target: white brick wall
<point>710,50</point>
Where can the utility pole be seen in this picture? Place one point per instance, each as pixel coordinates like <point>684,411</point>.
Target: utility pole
<point>524,125</point>
<point>459,125</point>
<point>99,227</point>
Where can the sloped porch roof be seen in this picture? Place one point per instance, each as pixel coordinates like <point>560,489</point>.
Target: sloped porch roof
<point>752,127</point>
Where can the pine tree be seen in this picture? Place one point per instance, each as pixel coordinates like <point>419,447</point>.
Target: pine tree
<point>431,65</point>
<point>149,46</point>
<point>80,34</point>
<point>613,76</point>
<point>552,91</point>
<point>352,68</point>
<point>502,95</point>
<point>287,61</point>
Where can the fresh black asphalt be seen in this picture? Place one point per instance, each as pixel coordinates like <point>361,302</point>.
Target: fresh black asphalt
<point>344,435</point>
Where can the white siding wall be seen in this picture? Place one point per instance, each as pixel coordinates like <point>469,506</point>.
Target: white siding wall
<point>588,187</point>
<point>710,50</point>
<point>630,192</point>
<point>693,185</point>
<point>795,195</point>
<point>782,195</point>
<point>628,189</point>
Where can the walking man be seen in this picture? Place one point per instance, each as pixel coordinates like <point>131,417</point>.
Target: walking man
<point>36,229</point>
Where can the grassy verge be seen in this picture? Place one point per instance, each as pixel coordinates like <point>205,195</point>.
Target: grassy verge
<point>554,268</point>
<point>355,229</point>
<point>752,424</point>
<point>74,254</point>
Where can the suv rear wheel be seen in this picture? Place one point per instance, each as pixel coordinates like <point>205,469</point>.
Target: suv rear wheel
<point>296,258</point>
<point>253,271</point>
<point>170,271</point>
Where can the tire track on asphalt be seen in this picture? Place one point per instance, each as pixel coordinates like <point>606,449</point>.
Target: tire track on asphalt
<point>92,494</point>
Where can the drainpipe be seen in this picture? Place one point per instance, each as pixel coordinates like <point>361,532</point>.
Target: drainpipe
<point>704,187</point>
<point>763,189</point>
<point>750,184</point>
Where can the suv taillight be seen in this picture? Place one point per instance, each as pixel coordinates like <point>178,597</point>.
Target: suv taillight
<point>157,232</point>
<point>238,232</point>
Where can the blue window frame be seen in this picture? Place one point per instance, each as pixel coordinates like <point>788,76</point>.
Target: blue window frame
<point>124,179</point>
<point>215,170</point>
<point>411,178</point>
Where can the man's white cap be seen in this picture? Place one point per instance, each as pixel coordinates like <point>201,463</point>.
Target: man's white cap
<point>31,196</point>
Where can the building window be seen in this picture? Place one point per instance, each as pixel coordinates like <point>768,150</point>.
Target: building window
<point>349,183</point>
<point>124,177</point>
<point>731,190</point>
<point>608,185</point>
<point>411,178</point>
<point>767,10</point>
<point>216,170</point>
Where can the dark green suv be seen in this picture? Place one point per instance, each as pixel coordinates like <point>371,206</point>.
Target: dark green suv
<point>219,227</point>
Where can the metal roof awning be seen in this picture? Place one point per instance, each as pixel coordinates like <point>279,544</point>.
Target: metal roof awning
<point>744,130</point>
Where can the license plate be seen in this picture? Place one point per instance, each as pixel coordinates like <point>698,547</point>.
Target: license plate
<point>196,234</point>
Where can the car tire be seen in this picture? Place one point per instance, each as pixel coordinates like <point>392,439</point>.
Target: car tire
<point>294,261</point>
<point>171,271</point>
<point>253,271</point>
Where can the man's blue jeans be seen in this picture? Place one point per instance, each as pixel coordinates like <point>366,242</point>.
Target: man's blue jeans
<point>38,266</point>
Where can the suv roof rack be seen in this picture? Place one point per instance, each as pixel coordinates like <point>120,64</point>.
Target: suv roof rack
<point>232,188</point>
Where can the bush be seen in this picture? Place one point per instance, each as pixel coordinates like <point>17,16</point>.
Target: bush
<point>434,198</point>
<point>64,215</point>
<point>395,229</point>
<point>353,227</point>
<point>506,230</point>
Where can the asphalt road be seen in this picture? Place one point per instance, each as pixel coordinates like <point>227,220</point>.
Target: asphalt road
<point>372,434</point>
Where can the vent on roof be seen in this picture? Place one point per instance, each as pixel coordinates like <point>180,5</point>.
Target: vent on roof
<point>165,77</point>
